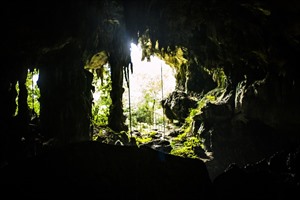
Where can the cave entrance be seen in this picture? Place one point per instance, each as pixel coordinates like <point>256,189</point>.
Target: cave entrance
<point>149,82</point>
<point>101,96</point>
<point>32,91</point>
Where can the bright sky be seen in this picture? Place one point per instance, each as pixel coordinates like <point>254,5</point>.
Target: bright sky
<point>35,78</point>
<point>147,76</point>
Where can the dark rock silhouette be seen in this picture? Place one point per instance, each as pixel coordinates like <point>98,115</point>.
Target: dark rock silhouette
<point>94,169</point>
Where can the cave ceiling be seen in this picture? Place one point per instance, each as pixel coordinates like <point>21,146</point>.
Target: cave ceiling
<point>250,33</point>
<point>247,38</point>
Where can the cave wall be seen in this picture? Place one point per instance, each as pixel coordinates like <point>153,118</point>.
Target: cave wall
<point>250,40</point>
<point>273,101</point>
<point>65,102</point>
<point>256,43</point>
<point>59,39</point>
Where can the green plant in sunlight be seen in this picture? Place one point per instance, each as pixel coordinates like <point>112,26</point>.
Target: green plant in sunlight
<point>146,44</point>
<point>152,133</point>
<point>98,64</point>
<point>102,100</point>
<point>144,111</point>
<point>179,139</point>
<point>33,91</point>
<point>142,140</point>
<point>146,136</point>
<point>218,76</point>
<point>108,136</point>
<point>175,57</point>
<point>99,135</point>
<point>210,98</point>
<point>214,96</point>
<point>17,88</point>
<point>185,143</point>
<point>177,60</point>
<point>188,124</point>
<point>186,152</point>
<point>187,149</point>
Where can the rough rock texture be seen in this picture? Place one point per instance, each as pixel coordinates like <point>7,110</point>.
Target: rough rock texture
<point>254,42</point>
<point>97,170</point>
<point>177,106</point>
<point>275,177</point>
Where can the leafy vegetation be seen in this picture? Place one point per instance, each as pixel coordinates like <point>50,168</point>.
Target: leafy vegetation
<point>102,100</point>
<point>33,92</point>
<point>187,144</point>
<point>187,150</point>
<point>99,67</point>
<point>17,106</point>
<point>219,76</point>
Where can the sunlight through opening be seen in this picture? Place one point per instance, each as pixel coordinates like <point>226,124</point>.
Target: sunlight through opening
<point>150,82</point>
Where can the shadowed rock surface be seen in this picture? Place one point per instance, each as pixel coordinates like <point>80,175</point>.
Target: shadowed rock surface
<point>249,48</point>
<point>94,169</point>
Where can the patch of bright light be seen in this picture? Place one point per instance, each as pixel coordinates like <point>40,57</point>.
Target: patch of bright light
<point>35,78</point>
<point>96,96</point>
<point>155,77</point>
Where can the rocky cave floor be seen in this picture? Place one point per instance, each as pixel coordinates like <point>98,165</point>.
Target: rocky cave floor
<point>274,177</point>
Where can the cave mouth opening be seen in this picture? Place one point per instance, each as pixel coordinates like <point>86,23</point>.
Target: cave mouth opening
<point>33,93</point>
<point>149,82</point>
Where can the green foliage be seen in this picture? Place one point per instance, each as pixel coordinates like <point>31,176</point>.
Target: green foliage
<point>145,109</point>
<point>108,136</point>
<point>97,61</point>
<point>98,64</point>
<point>188,125</point>
<point>17,105</point>
<point>180,138</point>
<point>213,96</point>
<point>99,135</point>
<point>146,135</point>
<point>142,140</point>
<point>102,100</point>
<point>152,133</point>
<point>185,144</point>
<point>176,58</point>
<point>33,91</point>
<point>186,150</point>
<point>219,76</point>
<point>146,45</point>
